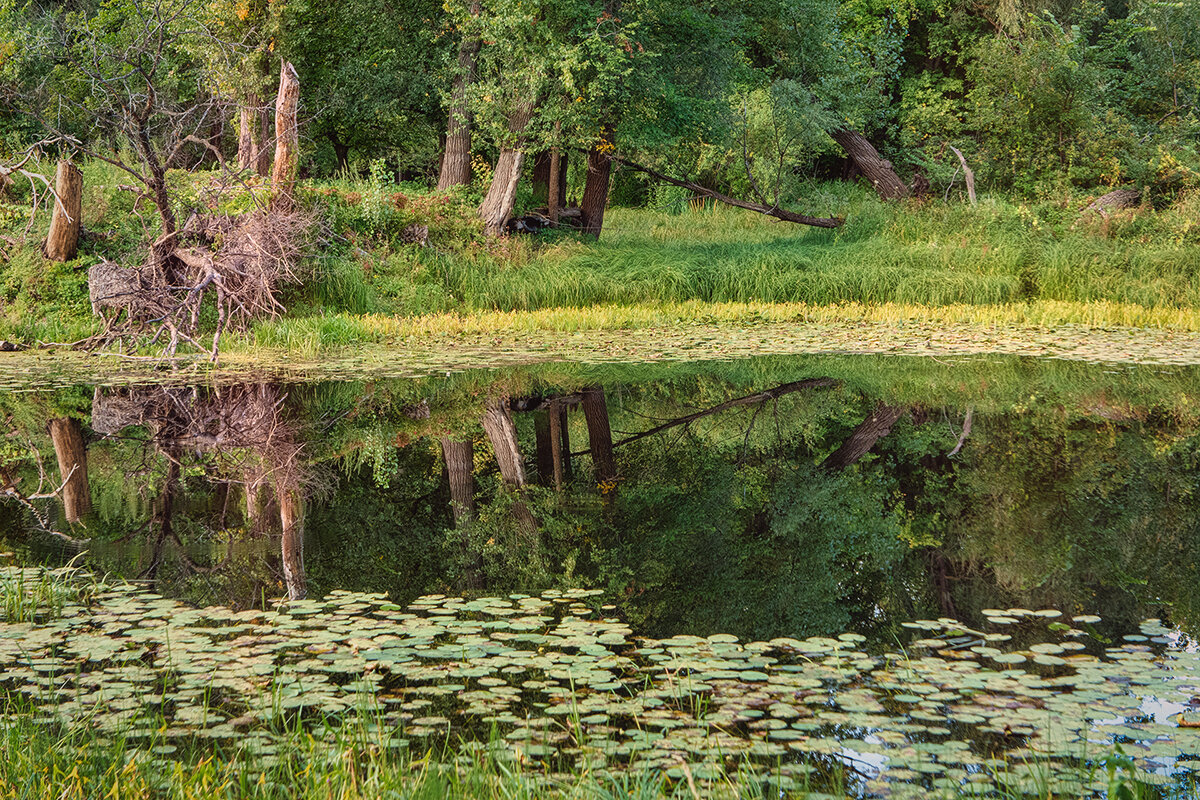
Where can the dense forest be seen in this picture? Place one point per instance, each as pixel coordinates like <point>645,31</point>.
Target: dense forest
<point>748,99</point>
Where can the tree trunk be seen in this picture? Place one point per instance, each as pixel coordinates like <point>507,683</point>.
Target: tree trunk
<point>341,152</point>
<point>541,177</point>
<point>63,240</point>
<point>262,140</point>
<point>247,152</point>
<point>557,185</point>
<point>456,161</point>
<point>71,452</point>
<point>460,467</point>
<point>877,170</point>
<point>287,139</point>
<point>497,206</point>
<point>864,437</point>
<point>502,433</point>
<point>595,412</point>
<point>291,518</point>
<point>595,190</point>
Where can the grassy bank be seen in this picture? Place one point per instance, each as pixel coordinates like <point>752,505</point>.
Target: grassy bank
<point>1001,262</point>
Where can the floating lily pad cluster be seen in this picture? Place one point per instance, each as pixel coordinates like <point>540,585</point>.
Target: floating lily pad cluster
<point>563,683</point>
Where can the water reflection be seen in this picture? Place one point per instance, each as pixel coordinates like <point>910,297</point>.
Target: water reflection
<point>777,498</point>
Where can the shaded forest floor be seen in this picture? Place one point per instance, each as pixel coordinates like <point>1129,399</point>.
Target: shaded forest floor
<point>1003,276</point>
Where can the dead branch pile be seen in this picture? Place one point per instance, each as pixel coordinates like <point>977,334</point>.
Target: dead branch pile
<point>240,261</point>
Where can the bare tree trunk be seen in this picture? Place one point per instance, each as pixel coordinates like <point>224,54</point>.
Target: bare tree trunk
<point>497,206</point>
<point>595,191</point>
<point>247,153</point>
<point>262,144</point>
<point>291,518</point>
<point>71,452</point>
<point>460,467</point>
<point>595,411</point>
<point>864,437</point>
<point>287,139</point>
<point>254,136</point>
<point>502,433</point>
<point>456,161</point>
<point>878,171</point>
<point>63,239</point>
<point>967,173</point>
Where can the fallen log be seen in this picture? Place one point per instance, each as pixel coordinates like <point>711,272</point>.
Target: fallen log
<point>704,191</point>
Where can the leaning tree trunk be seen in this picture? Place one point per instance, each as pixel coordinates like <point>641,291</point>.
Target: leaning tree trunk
<point>595,190</point>
<point>63,239</point>
<point>864,437</point>
<point>497,206</point>
<point>71,452</point>
<point>460,467</point>
<point>502,433</point>
<point>878,170</point>
<point>287,139</point>
<point>456,161</point>
<point>291,518</point>
<point>595,412</point>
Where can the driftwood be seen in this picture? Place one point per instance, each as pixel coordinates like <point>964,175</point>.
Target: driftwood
<point>703,191</point>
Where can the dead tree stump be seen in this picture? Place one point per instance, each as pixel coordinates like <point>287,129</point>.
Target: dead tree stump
<point>63,240</point>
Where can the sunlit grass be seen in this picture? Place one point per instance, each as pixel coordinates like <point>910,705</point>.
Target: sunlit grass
<point>317,333</point>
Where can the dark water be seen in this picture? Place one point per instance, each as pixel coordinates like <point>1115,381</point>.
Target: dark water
<point>766,498</point>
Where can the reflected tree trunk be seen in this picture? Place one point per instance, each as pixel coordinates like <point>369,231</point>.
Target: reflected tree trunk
<point>502,433</point>
<point>545,447</point>
<point>595,412</point>
<point>560,443</point>
<point>460,467</point>
<point>863,438</point>
<point>71,452</point>
<point>291,518</point>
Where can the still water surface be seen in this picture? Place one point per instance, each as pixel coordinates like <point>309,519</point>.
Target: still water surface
<point>783,501</point>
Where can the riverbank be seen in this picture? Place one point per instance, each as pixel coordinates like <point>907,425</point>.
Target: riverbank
<point>1029,265</point>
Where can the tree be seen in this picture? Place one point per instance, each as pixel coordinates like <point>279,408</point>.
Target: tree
<point>537,62</point>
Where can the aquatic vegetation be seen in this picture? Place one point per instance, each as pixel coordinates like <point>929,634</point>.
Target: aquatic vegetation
<point>1034,704</point>
<point>36,595</point>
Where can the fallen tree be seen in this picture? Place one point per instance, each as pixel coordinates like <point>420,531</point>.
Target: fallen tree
<point>704,191</point>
